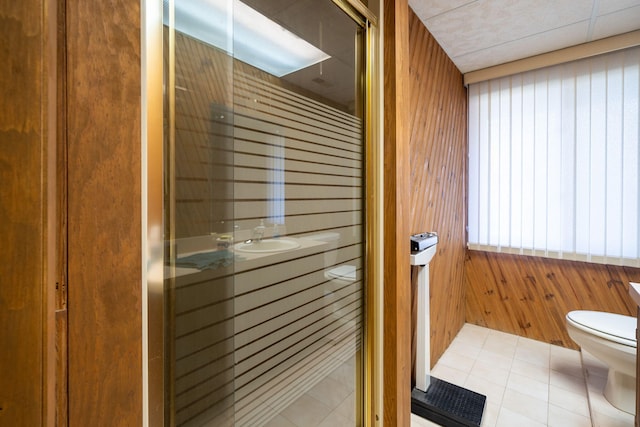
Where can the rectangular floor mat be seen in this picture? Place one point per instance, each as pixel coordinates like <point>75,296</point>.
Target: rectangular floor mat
<point>448,404</point>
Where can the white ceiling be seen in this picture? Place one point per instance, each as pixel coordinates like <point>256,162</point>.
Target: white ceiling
<point>481,33</point>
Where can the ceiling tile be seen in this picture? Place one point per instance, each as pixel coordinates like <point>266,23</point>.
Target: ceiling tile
<point>608,6</point>
<point>491,23</point>
<point>481,33</point>
<point>431,8</point>
<point>616,23</point>
<point>523,48</point>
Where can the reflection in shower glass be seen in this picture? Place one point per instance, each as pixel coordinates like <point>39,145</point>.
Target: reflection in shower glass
<point>276,196</point>
<point>264,214</point>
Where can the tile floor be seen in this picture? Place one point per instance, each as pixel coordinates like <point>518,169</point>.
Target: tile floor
<point>330,403</point>
<point>527,382</point>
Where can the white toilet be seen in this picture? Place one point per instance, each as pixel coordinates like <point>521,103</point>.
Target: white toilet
<point>611,338</point>
<point>342,273</point>
<point>337,276</point>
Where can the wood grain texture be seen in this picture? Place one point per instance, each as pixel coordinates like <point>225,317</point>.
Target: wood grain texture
<point>438,180</point>
<point>61,321</point>
<point>104,258</point>
<point>62,372</point>
<point>530,296</point>
<point>23,162</point>
<point>397,289</point>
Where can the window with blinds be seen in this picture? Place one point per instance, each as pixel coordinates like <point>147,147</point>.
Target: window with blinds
<point>554,160</point>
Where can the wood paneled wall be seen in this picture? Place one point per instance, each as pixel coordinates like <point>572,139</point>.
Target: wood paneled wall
<point>530,296</point>
<point>397,290</point>
<point>104,208</point>
<point>27,212</point>
<point>438,179</point>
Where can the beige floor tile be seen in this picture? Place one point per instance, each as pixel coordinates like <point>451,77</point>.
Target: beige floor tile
<point>530,370</point>
<point>306,412</point>
<point>336,420</point>
<point>472,335</point>
<point>417,421</point>
<point>535,352</point>
<point>573,402</point>
<point>503,362</point>
<point>280,421</point>
<point>449,374</point>
<point>531,387</point>
<point>330,392</point>
<point>566,360</point>
<point>347,409</point>
<point>457,361</point>
<point>568,382</point>
<point>345,374</point>
<point>490,372</point>
<point>509,418</point>
<point>490,415</point>
<point>525,405</point>
<point>460,346</point>
<point>560,417</point>
<point>501,344</point>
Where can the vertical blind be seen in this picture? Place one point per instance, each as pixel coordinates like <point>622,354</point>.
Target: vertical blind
<point>554,160</point>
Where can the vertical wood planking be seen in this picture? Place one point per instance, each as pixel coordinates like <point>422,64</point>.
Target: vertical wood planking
<point>61,315</point>
<point>438,179</point>
<point>27,169</point>
<point>397,282</point>
<point>104,187</point>
<point>530,296</point>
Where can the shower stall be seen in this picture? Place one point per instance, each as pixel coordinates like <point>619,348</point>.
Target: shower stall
<point>263,260</point>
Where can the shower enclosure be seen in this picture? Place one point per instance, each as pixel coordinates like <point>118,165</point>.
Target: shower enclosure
<point>264,218</point>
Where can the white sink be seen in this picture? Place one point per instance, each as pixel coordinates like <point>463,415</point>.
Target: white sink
<point>267,245</point>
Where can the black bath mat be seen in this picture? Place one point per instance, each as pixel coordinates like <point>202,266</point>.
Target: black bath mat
<point>448,404</point>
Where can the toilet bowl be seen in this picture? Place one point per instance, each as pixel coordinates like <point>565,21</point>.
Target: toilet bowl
<point>610,338</point>
<point>337,275</point>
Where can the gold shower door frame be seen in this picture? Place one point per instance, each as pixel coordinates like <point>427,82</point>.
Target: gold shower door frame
<point>153,176</point>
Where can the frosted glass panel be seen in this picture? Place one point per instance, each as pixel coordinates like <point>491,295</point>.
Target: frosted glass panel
<point>264,215</point>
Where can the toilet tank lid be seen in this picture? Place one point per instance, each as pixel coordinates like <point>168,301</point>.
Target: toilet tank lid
<point>615,325</point>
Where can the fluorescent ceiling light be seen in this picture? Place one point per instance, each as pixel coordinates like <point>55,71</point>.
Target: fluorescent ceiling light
<point>249,36</point>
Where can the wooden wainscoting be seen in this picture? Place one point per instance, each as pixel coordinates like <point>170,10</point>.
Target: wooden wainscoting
<point>530,296</point>
<point>438,179</point>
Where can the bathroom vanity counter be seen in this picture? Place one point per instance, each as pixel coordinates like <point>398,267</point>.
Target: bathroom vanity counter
<point>239,261</point>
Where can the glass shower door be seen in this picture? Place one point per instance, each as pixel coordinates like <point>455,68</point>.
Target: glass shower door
<point>264,213</point>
